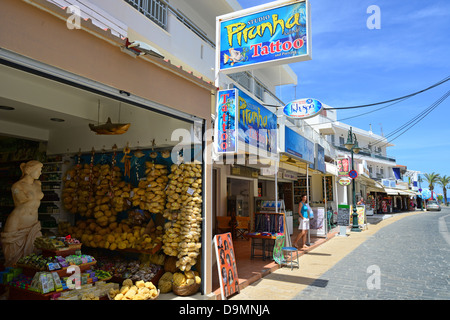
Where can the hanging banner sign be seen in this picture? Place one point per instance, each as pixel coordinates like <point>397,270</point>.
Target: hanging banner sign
<point>343,167</point>
<point>257,125</point>
<point>241,119</point>
<point>303,108</point>
<point>226,121</point>
<point>298,146</point>
<point>271,34</point>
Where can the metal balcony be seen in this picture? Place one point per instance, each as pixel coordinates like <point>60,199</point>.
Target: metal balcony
<point>155,10</point>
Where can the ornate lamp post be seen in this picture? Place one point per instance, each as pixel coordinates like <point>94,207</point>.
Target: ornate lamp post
<point>352,145</point>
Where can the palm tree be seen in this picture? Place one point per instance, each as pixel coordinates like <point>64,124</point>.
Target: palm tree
<point>431,178</point>
<point>444,181</point>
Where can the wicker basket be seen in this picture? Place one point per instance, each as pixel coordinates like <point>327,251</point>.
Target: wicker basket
<point>186,290</point>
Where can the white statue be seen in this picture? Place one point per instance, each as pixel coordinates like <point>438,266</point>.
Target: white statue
<point>22,226</point>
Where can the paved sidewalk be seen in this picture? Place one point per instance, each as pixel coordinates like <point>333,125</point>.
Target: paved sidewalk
<point>285,284</point>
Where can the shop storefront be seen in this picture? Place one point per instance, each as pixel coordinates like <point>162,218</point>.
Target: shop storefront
<point>124,161</point>
<point>245,149</point>
<point>246,166</point>
<point>314,179</point>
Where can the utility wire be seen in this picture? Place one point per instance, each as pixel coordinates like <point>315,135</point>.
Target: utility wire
<point>411,123</point>
<point>359,115</point>
<point>392,100</point>
<point>418,118</point>
<point>397,100</point>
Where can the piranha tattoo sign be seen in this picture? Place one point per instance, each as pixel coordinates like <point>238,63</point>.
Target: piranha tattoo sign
<point>278,35</point>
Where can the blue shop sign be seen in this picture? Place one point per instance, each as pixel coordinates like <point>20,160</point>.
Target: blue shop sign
<point>278,35</point>
<point>257,124</point>
<point>298,146</point>
<point>303,108</point>
<point>226,121</point>
<point>320,159</point>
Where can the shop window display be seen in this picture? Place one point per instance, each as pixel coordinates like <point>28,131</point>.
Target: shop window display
<point>136,204</point>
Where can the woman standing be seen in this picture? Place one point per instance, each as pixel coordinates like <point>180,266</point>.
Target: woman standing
<point>22,226</point>
<point>303,223</point>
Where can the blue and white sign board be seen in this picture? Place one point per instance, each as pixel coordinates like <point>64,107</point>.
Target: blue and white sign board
<point>298,146</point>
<point>226,122</point>
<point>270,34</point>
<point>303,108</point>
<point>320,158</point>
<point>241,122</point>
<point>257,125</point>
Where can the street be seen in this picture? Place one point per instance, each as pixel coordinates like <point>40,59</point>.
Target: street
<point>408,259</point>
<point>403,257</point>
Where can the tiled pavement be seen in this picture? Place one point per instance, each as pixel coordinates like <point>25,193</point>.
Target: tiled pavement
<point>407,260</point>
<point>411,256</point>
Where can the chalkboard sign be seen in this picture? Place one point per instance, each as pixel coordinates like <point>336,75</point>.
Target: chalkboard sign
<point>343,216</point>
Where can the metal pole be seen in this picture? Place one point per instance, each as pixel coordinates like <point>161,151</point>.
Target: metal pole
<point>355,226</point>
<point>325,203</point>
<point>276,185</point>
<point>307,197</point>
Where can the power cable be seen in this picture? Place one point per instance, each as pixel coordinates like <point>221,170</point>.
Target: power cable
<point>396,99</point>
<point>359,115</point>
<point>414,121</point>
<point>419,117</point>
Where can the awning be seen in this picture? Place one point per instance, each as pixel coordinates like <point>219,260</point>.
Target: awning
<point>400,192</point>
<point>293,164</point>
<point>391,192</point>
<point>88,10</point>
<point>371,185</point>
<point>374,189</point>
<point>407,193</point>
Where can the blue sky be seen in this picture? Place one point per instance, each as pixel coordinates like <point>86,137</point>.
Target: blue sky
<point>354,65</point>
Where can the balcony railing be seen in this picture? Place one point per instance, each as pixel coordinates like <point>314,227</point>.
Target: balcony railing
<point>155,10</point>
<point>368,154</point>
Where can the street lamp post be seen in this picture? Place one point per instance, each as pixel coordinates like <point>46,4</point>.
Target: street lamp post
<point>352,145</point>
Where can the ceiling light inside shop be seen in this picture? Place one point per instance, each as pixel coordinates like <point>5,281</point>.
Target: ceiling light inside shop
<point>290,160</point>
<point>5,108</point>
<point>57,119</point>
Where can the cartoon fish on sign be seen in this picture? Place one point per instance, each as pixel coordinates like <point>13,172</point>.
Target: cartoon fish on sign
<point>235,56</point>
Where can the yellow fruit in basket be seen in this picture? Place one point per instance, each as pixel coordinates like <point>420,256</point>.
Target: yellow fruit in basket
<point>127,282</point>
<point>179,279</point>
<point>98,214</point>
<point>102,221</point>
<point>118,296</point>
